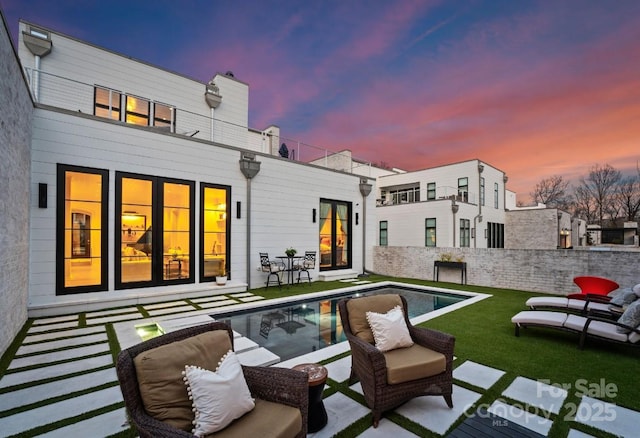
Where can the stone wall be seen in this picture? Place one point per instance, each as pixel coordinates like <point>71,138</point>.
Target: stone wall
<point>15,134</point>
<point>547,271</point>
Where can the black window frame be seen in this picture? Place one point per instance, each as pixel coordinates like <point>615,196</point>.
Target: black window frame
<point>202,249</point>
<point>427,228</point>
<point>157,208</point>
<point>61,170</point>
<point>383,233</point>
<point>431,191</point>
<point>465,233</point>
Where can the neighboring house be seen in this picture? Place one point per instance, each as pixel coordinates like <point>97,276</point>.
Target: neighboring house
<point>456,205</point>
<point>146,184</point>
<point>543,228</point>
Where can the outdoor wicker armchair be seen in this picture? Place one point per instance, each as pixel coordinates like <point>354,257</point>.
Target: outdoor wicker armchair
<point>275,390</point>
<point>393,377</point>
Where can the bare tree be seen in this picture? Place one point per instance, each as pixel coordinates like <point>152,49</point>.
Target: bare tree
<point>552,192</point>
<point>601,185</point>
<point>584,205</point>
<point>628,197</point>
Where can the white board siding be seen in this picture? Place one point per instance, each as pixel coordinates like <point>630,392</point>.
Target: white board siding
<point>283,194</point>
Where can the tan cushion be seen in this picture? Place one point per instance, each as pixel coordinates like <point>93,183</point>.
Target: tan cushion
<point>358,308</point>
<point>415,362</point>
<point>159,373</point>
<point>266,420</point>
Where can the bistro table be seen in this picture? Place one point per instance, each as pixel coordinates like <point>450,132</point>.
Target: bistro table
<point>289,263</point>
<point>317,418</point>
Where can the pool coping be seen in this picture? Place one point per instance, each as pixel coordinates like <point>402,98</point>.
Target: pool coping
<point>127,336</point>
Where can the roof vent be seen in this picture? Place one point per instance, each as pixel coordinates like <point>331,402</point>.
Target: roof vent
<point>230,74</point>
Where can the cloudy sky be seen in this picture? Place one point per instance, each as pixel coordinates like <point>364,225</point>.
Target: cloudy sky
<point>534,88</point>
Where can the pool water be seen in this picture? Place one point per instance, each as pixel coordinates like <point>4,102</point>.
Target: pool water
<point>298,327</point>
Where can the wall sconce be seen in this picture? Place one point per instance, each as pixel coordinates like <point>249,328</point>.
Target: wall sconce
<point>238,210</point>
<point>313,215</point>
<point>42,195</point>
<point>357,217</point>
<point>473,233</point>
<point>485,233</point>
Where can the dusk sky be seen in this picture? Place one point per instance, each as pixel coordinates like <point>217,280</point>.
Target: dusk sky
<point>534,88</point>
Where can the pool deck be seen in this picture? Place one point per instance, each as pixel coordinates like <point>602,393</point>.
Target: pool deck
<point>63,374</point>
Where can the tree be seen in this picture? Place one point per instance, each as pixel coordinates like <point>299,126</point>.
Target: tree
<point>628,197</point>
<point>601,185</point>
<point>552,192</point>
<point>583,205</point>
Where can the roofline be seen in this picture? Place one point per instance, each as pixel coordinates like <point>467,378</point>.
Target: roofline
<point>113,52</point>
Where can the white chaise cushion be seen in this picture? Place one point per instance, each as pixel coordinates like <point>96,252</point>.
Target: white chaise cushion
<point>548,302</point>
<point>540,317</point>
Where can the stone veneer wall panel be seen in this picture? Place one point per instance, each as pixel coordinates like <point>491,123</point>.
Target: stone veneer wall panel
<point>547,271</point>
<point>15,140</point>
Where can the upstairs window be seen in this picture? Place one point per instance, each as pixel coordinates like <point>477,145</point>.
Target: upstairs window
<point>496,196</point>
<point>463,189</point>
<point>431,190</point>
<point>482,191</point>
<point>164,116</point>
<point>107,103</point>
<point>137,111</point>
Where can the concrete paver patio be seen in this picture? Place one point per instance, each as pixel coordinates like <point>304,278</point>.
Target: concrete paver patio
<point>63,372</point>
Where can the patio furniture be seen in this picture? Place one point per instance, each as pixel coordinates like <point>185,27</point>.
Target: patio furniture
<point>591,285</point>
<point>586,326</point>
<point>274,268</point>
<point>393,377</point>
<point>158,404</point>
<point>317,377</point>
<point>307,263</point>
<point>592,305</point>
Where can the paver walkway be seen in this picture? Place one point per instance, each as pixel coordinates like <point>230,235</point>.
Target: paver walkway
<point>64,374</point>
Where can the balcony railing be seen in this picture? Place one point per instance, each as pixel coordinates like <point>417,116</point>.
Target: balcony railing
<point>60,92</point>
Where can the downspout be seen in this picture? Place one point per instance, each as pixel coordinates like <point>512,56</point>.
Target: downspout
<point>249,168</point>
<point>213,98</point>
<point>478,217</point>
<point>454,210</point>
<point>39,43</point>
<point>365,189</point>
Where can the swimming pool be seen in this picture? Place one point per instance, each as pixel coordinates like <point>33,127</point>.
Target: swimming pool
<point>303,325</point>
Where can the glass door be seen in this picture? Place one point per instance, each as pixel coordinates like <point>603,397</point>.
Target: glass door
<point>335,235</point>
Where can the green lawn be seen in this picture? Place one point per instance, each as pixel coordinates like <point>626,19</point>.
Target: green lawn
<point>484,334</point>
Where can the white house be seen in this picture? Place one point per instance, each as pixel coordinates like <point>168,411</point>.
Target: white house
<point>146,183</point>
<point>456,205</point>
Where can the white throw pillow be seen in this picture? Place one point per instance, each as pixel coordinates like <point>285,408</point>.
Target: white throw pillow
<point>218,397</point>
<point>389,329</point>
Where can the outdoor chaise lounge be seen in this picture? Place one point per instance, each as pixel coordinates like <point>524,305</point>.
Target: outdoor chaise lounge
<point>625,330</point>
<point>599,305</point>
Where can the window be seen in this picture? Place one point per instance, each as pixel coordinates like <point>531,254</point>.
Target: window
<point>496,197</point>
<point>335,234</point>
<point>404,196</point>
<point>106,103</point>
<point>215,238</point>
<point>482,191</point>
<point>137,111</point>
<point>431,190</point>
<point>81,220</point>
<point>463,189</point>
<point>155,241</point>
<point>430,232</point>
<point>164,116</point>
<point>495,235</point>
<point>384,229</point>
<point>465,233</point>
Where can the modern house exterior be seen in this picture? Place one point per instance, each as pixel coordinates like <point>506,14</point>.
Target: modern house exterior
<point>455,205</point>
<point>145,183</point>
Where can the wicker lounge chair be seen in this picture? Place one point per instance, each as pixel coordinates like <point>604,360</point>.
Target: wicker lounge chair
<point>592,305</point>
<point>281,395</point>
<point>391,378</point>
